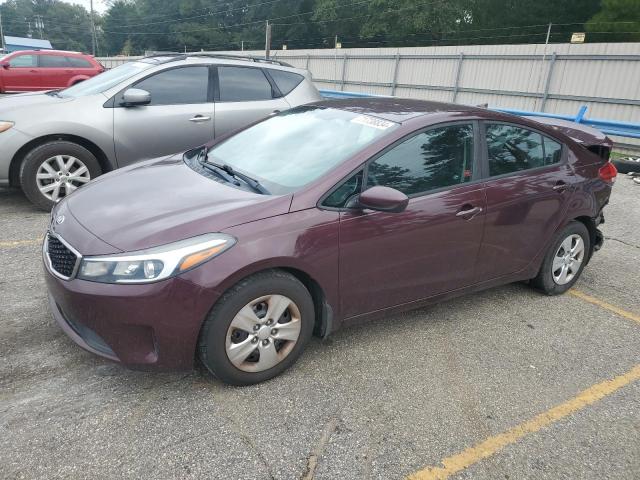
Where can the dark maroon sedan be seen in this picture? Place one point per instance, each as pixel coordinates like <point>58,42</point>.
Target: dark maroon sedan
<point>327,214</point>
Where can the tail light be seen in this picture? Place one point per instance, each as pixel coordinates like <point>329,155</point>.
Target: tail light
<point>608,172</point>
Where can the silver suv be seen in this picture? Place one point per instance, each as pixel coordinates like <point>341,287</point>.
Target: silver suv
<point>51,143</point>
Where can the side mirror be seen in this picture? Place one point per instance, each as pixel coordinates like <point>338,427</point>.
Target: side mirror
<point>134,97</point>
<point>5,64</point>
<point>383,199</point>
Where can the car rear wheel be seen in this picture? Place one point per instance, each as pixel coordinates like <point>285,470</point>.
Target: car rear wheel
<point>565,259</point>
<point>54,170</point>
<point>257,329</point>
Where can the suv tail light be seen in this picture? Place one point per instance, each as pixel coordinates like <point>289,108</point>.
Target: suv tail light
<point>608,172</point>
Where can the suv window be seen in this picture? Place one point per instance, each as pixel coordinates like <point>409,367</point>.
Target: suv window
<point>23,61</point>
<point>79,62</point>
<point>341,195</point>
<point>285,81</point>
<point>512,149</point>
<point>53,61</point>
<point>185,85</point>
<point>241,84</point>
<point>440,157</point>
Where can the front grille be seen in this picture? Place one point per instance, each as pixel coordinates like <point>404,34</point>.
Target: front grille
<point>62,259</point>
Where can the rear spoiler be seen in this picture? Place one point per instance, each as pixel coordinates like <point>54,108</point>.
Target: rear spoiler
<point>593,140</point>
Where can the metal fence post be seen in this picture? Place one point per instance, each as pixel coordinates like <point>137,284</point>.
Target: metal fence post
<point>456,86</point>
<point>344,70</point>
<point>395,75</point>
<point>547,85</point>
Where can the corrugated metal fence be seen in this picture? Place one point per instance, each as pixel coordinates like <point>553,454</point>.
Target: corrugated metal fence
<point>558,78</point>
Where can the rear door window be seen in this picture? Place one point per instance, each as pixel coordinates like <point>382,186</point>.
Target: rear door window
<point>78,62</point>
<point>513,149</point>
<point>440,157</point>
<point>285,81</point>
<point>23,61</point>
<point>243,84</point>
<point>54,61</point>
<point>177,86</point>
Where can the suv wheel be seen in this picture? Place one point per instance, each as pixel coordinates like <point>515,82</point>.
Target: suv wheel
<point>257,329</point>
<point>564,261</point>
<point>54,170</point>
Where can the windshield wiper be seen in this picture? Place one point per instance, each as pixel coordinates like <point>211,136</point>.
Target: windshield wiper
<point>226,172</point>
<point>252,182</point>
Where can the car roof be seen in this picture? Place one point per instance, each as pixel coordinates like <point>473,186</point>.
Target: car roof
<point>398,110</point>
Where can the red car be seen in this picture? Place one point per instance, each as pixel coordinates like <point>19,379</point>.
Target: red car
<point>32,70</point>
<point>319,217</point>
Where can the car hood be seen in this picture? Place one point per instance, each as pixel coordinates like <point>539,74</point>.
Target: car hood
<point>162,201</point>
<point>15,104</point>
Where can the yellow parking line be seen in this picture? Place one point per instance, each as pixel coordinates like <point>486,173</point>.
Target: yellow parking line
<point>605,305</point>
<point>492,445</point>
<point>20,243</point>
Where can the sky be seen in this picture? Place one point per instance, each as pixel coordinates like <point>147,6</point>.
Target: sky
<point>98,5</point>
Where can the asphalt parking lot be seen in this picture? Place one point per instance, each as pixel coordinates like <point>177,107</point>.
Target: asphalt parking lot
<point>503,384</point>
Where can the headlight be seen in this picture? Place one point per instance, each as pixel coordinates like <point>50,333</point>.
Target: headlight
<point>4,126</point>
<point>157,263</point>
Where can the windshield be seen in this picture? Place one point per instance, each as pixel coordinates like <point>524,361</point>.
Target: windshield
<point>294,148</point>
<point>105,81</point>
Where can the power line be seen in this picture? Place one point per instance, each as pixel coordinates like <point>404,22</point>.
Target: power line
<point>279,18</point>
<point>208,14</point>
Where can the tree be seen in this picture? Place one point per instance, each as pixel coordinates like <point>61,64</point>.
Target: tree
<point>617,21</point>
<point>67,27</point>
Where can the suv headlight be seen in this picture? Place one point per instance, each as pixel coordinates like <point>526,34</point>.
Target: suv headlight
<point>4,126</point>
<point>157,263</point>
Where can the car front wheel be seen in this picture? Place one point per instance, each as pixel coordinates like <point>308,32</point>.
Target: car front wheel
<point>565,259</point>
<point>257,329</point>
<point>54,170</point>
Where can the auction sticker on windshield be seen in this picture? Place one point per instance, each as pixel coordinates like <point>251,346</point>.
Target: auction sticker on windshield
<point>374,122</point>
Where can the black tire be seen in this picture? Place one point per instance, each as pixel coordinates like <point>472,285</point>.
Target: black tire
<point>625,165</point>
<point>36,157</point>
<point>544,280</point>
<point>213,337</point>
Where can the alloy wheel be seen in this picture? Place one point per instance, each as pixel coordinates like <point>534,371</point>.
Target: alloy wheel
<point>263,333</point>
<point>568,259</point>
<point>61,175</point>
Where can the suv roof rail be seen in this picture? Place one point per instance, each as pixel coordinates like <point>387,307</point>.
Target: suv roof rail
<point>175,56</point>
<point>168,56</point>
<point>247,58</point>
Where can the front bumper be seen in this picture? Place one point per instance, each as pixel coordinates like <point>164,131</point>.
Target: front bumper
<point>10,142</point>
<point>152,326</point>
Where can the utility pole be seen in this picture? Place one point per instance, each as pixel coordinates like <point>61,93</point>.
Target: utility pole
<point>94,38</point>
<point>242,45</point>
<point>267,41</point>
<point>39,25</point>
<point>2,34</point>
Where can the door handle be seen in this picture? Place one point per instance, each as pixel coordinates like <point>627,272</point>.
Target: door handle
<point>560,186</point>
<point>469,213</point>
<point>199,119</point>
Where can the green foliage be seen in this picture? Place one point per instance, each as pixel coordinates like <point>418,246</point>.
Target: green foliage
<point>66,26</point>
<point>618,21</point>
<point>136,26</point>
